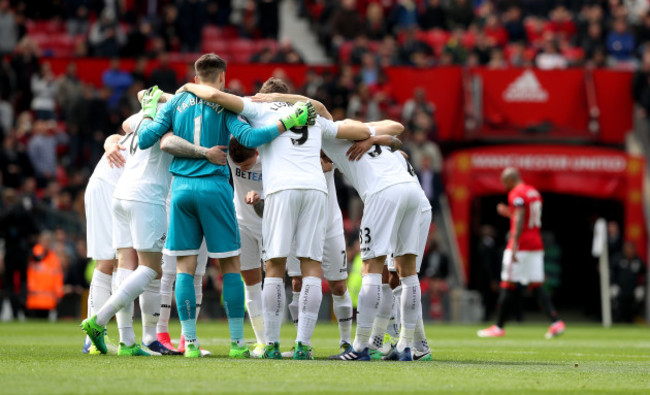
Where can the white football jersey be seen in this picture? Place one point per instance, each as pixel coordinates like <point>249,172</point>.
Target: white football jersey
<point>424,201</point>
<point>377,169</point>
<point>334,216</point>
<point>292,160</point>
<point>146,176</point>
<point>103,171</point>
<point>244,182</point>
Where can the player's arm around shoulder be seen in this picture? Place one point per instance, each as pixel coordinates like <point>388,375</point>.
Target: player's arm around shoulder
<point>208,93</point>
<point>181,148</point>
<point>292,99</point>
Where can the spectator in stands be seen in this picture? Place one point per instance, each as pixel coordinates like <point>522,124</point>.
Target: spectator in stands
<point>69,90</point>
<point>627,273</point>
<point>482,49</point>
<point>514,25</point>
<point>496,34</point>
<point>192,16</point>
<point>8,28</point>
<point>313,83</point>
<point>44,89</point>
<point>6,116</point>
<point>136,42</point>
<point>376,26</point>
<point>364,105</point>
<point>42,150</point>
<point>594,39</point>
<point>369,72</point>
<point>550,57</point>
<point>286,53</point>
<point>14,162</point>
<point>78,23</point>
<point>460,14</point>
<point>455,48</point>
<point>412,45</point>
<point>170,28</point>
<point>139,71</point>
<point>497,60</point>
<point>561,23</point>
<point>163,75</point>
<point>643,31</point>
<point>621,43</point>
<point>405,14</point>
<point>434,16</point>
<point>641,85</point>
<point>387,53</point>
<point>269,20</point>
<point>18,228</point>
<point>74,280</point>
<point>266,55</point>
<point>346,24</point>
<point>219,12</point>
<point>106,35</point>
<point>417,103</point>
<point>25,65</point>
<point>118,81</point>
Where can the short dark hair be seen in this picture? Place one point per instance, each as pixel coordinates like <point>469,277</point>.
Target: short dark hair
<point>239,152</point>
<point>209,66</point>
<point>274,85</point>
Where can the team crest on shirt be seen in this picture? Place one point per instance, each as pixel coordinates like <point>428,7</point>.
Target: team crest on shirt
<point>164,237</point>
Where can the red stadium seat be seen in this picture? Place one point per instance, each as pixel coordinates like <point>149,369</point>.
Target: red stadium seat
<point>344,51</point>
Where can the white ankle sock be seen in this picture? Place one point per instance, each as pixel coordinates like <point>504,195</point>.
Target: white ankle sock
<point>311,297</point>
<point>394,322</point>
<point>150,311</point>
<point>342,306</point>
<point>420,337</point>
<point>123,317</point>
<point>274,301</point>
<point>100,291</point>
<point>130,289</point>
<point>383,316</point>
<point>255,309</point>
<point>368,304</point>
<point>410,305</point>
<point>198,290</point>
<point>294,309</point>
<point>166,292</point>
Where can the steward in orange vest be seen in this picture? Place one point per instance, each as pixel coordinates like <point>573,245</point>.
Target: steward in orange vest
<point>44,279</point>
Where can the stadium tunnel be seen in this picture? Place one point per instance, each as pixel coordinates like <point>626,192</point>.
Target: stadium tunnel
<point>578,185</point>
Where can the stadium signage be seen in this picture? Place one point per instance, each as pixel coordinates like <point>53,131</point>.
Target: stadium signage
<point>546,162</point>
<point>526,88</point>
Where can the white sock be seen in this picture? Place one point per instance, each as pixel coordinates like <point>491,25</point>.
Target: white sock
<point>274,301</point>
<point>368,304</point>
<point>410,305</point>
<point>123,317</point>
<point>311,297</point>
<point>166,293</point>
<point>393,323</point>
<point>150,311</point>
<point>198,290</point>
<point>256,310</point>
<point>342,306</point>
<point>420,337</point>
<point>130,289</point>
<point>383,316</point>
<point>294,309</point>
<point>114,283</point>
<point>100,291</point>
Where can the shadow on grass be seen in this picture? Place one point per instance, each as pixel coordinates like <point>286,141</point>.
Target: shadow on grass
<point>497,363</point>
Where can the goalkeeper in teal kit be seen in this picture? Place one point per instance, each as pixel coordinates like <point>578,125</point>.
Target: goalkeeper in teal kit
<point>201,195</point>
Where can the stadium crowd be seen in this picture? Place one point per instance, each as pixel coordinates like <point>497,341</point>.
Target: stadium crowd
<point>53,127</point>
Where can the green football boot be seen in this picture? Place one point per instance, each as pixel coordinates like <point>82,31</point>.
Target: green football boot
<point>131,351</point>
<point>237,351</point>
<point>303,352</point>
<point>192,351</point>
<point>272,352</point>
<point>375,354</point>
<point>95,332</point>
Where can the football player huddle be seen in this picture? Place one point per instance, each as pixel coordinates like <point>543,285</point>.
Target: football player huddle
<point>160,205</point>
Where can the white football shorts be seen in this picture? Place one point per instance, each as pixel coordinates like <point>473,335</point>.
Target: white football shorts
<point>294,221</point>
<point>99,220</point>
<point>529,267</point>
<point>142,226</point>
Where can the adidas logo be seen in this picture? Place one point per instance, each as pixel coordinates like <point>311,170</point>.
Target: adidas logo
<point>526,88</point>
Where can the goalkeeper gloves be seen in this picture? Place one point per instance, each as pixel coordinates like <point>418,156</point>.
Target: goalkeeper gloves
<point>303,115</point>
<point>149,101</point>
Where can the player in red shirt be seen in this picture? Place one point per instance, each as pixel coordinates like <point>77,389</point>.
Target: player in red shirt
<point>523,259</point>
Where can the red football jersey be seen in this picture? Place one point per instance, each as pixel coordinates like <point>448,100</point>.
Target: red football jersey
<point>527,197</point>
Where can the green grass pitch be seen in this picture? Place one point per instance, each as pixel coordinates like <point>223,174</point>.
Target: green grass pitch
<point>39,357</point>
